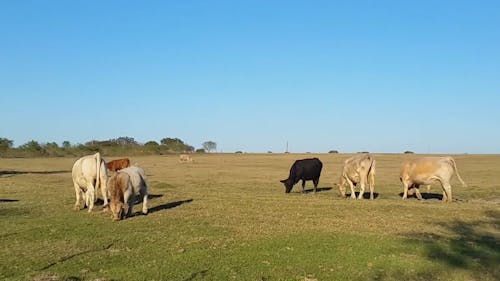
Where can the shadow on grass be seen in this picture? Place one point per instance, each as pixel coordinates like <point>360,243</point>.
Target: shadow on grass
<point>319,189</point>
<point>475,246</point>
<point>169,205</point>
<point>8,200</point>
<point>12,173</point>
<point>425,196</point>
<point>366,195</point>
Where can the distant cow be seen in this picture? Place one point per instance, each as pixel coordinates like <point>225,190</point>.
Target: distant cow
<point>123,185</point>
<point>89,173</point>
<point>358,170</point>
<point>305,169</point>
<point>428,170</point>
<point>118,164</point>
<point>184,158</point>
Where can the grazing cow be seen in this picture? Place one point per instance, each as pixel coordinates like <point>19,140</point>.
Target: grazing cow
<point>184,158</point>
<point>359,169</point>
<point>123,185</point>
<point>428,170</point>
<point>89,173</point>
<point>305,169</point>
<point>118,164</point>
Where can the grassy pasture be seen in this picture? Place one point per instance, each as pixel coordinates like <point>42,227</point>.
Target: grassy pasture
<point>226,217</point>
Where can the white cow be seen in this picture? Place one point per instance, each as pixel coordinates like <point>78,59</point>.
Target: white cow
<point>359,169</point>
<point>90,173</point>
<point>123,186</point>
<point>429,170</point>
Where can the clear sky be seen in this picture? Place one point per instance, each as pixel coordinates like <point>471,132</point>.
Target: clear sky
<point>378,76</point>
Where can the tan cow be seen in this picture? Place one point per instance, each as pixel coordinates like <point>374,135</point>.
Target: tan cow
<point>429,170</point>
<point>184,158</point>
<point>358,170</point>
<point>89,173</point>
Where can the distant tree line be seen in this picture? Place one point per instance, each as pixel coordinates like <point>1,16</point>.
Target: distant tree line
<point>111,147</point>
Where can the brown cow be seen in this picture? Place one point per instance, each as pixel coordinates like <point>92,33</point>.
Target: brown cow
<point>118,164</point>
<point>429,170</point>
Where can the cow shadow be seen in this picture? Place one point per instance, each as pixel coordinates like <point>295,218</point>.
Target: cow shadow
<point>319,189</point>
<point>366,195</point>
<point>169,205</point>
<point>425,196</point>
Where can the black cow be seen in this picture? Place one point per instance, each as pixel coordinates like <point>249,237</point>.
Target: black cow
<point>305,170</point>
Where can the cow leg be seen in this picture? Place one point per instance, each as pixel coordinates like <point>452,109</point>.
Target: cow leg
<point>372,188</point>
<point>362,185</point>
<point>77,193</point>
<point>417,191</point>
<point>128,199</point>
<point>315,181</point>
<point>90,196</point>
<point>447,190</point>
<point>144,195</point>
<point>351,185</point>
<point>405,190</point>
<point>444,196</point>
<point>303,186</point>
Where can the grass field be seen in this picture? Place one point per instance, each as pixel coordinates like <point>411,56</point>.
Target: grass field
<point>226,217</point>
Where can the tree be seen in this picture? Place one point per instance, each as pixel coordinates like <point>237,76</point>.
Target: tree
<point>209,146</point>
<point>5,144</point>
<point>32,148</point>
<point>176,145</point>
<point>151,144</point>
<point>66,144</point>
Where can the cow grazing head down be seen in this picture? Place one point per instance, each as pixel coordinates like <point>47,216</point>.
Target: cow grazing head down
<point>117,210</point>
<point>118,186</point>
<point>303,170</point>
<point>288,185</point>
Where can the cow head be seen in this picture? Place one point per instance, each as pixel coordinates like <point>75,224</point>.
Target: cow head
<point>288,185</point>
<point>117,210</point>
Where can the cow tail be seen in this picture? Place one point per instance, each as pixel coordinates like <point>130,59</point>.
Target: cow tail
<point>371,172</point>
<point>456,171</point>
<point>98,172</point>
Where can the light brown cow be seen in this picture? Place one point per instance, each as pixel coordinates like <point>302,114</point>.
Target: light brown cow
<point>184,158</point>
<point>118,164</point>
<point>123,185</point>
<point>429,170</point>
<point>359,169</point>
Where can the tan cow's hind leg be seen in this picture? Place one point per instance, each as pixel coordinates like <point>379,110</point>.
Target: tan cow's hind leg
<point>90,196</point>
<point>362,186</point>
<point>77,193</point>
<point>417,192</point>
<point>447,191</point>
<point>351,185</point>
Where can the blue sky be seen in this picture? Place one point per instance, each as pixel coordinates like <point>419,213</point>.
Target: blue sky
<point>378,76</point>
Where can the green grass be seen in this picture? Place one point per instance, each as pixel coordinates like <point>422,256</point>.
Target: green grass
<point>226,217</point>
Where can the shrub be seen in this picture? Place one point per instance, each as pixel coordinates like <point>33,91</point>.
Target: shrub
<point>333,151</point>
